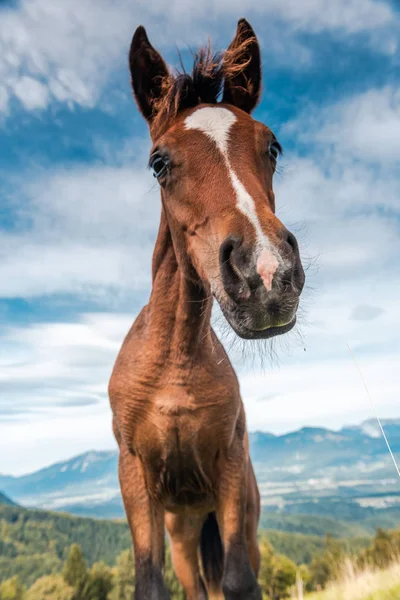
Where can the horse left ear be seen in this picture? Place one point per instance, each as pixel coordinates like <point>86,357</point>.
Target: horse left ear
<point>242,67</point>
<point>148,72</point>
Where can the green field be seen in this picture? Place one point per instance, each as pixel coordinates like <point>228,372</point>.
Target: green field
<point>315,525</point>
<point>36,546</point>
<point>35,543</point>
<point>366,585</point>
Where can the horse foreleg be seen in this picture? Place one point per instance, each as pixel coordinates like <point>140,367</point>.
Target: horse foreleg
<point>146,522</point>
<point>184,534</point>
<point>239,580</point>
<point>253,510</point>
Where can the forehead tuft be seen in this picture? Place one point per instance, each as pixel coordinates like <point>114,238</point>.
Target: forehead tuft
<point>213,121</point>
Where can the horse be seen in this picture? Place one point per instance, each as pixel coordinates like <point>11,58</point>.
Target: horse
<point>178,417</point>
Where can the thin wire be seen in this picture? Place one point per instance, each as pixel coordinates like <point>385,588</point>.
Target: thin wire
<point>374,409</point>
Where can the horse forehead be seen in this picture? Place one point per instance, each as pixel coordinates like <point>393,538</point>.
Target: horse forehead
<point>215,122</point>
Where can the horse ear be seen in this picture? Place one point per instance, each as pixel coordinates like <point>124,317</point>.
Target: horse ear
<point>242,67</point>
<point>148,70</point>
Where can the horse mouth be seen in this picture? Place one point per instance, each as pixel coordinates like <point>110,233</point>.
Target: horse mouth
<point>260,334</point>
<point>260,319</point>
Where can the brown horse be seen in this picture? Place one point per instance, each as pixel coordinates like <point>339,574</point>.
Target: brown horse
<point>178,415</point>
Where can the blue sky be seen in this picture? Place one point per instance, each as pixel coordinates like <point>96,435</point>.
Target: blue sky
<point>79,210</point>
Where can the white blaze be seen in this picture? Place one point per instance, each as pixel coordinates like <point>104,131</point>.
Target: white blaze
<point>216,122</point>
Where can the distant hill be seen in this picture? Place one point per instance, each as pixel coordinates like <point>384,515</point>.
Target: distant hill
<point>346,474</point>
<point>36,542</point>
<point>89,478</point>
<point>6,500</point>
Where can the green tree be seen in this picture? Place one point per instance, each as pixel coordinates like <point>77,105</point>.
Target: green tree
<point>326,566</point>
<point>321,571</point>
<point>75,572</point>
<point>266,567</point>
<point>383,550</point>
<point>124,577</point>
<point>283,577</point>
<point>303,573</point>
<point>99,583</point>
<point>277,573</point>
<point>50,587</point>
<point>11,589</point>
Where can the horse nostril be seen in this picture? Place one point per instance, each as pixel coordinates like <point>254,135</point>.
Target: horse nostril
<point>292,242</point>
<point>227,248</point>
<point>295,273</point>
<point>233,279</point>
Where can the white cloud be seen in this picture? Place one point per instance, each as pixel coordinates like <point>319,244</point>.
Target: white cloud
<point>31,93</point>
<point>348,211</point>
<point>71,47</point>
<point>69,50</point>
<point>328,394</point>
<point>3,99</point>
<point>318,15</point>
<point>347,16</point>
<point>348,204</point>
<point>54,379</point>
<point>89,232</point>
<point>85,231</point>
<point>364,127</point>
<point>32,444</point>
<point>103,273</point>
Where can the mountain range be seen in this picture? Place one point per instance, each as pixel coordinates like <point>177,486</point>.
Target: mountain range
<point>6,500</point>
<point>345,474</point>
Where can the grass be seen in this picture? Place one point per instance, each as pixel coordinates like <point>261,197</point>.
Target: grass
<point>365,585</point>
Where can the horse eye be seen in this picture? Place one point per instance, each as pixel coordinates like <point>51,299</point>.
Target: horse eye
<point>159,165</point>
<point>274,150</point>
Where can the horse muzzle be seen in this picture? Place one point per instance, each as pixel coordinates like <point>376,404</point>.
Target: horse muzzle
<point>262,286</point>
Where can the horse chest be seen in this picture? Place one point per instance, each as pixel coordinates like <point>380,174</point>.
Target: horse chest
<point>175,403</point>
<point>177,421</point>
<point>181,437</point>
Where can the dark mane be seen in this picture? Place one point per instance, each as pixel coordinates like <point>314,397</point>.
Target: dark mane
<point>204,85</point>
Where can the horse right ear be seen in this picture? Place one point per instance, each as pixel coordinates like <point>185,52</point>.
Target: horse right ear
<point>148,70</point>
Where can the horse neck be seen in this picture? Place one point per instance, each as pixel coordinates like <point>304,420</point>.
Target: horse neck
<point>180,308</point>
